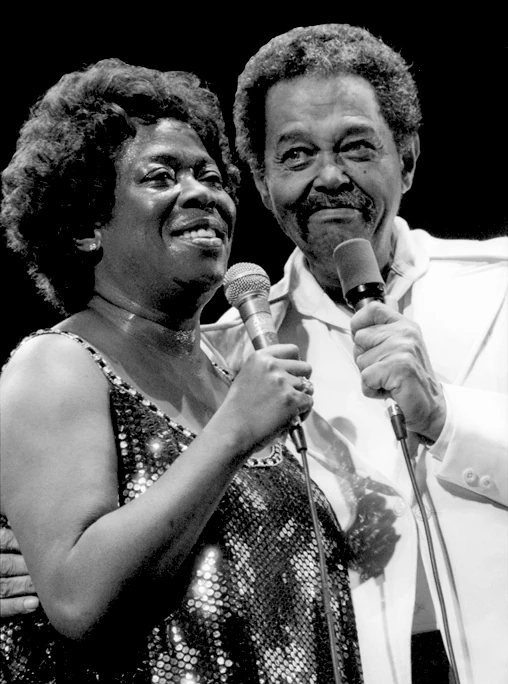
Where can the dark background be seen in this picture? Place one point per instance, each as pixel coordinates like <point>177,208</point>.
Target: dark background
<point>458,59</point>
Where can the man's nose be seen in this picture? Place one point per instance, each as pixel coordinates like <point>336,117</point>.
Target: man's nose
<point>331,175</point>
<point>194,192</point>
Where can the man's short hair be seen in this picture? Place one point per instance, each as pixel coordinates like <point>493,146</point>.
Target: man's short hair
<point>325,50</point>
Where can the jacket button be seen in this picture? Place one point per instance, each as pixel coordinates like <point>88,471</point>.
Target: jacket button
<point>470,476</point>
<point>399,507</point>
<point>486,482</point>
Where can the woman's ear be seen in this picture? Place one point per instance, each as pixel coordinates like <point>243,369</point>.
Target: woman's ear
<point>89,244</point>
<point>408,159</point>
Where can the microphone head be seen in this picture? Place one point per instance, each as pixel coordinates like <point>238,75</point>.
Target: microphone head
<point>356,264</point>
<point>245,278</point>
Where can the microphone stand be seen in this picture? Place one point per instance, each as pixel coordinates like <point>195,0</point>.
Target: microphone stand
<point>399,427</point>
<point>298,437</point>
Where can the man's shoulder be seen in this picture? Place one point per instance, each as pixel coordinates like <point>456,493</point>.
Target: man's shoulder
<point>491,249</point>
<point>228,336</point>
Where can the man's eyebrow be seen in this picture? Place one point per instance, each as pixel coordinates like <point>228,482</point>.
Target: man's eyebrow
<point>293,136</point>
<point>302,135</point>
<point>361,129</point>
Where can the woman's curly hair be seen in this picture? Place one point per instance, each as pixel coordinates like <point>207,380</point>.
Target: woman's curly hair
<point>325,50</point>
<point>60,183</point>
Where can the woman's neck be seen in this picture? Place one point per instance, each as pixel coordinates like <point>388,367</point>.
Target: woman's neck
<point>167,335</point>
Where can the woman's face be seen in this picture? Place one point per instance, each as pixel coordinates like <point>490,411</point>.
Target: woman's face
<point>172,221</point>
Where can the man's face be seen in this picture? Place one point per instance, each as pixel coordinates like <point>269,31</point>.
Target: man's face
<point>332,170</point>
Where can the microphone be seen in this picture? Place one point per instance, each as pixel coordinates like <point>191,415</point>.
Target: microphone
<point>246,287</point>
<point>362,283</point>
<point>358,271</point>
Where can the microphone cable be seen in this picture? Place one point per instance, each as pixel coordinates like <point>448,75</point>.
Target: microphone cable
<point>361,283</point>
<point>301,445</point>
<point>399,428</point>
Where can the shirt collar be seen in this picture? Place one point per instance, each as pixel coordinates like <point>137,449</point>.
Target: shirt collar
<point>410,262</point>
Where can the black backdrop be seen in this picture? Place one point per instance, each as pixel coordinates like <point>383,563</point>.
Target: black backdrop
<point>459,61</point>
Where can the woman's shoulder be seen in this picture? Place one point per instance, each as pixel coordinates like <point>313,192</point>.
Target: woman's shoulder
<point>51,358</point>
<point>47,345</point>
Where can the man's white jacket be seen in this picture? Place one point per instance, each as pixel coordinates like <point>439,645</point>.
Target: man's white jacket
<point>457,292</point>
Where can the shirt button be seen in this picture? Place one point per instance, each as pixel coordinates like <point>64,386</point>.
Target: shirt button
<point>470,476</point>
<point>486,482</point>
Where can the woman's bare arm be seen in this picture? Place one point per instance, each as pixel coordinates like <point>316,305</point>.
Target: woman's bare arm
<point>59,473</point>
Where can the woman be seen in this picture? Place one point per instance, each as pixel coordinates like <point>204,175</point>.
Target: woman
<point>120,198</point>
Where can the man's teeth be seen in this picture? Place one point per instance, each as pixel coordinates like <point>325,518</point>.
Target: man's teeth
<point>200,233</point>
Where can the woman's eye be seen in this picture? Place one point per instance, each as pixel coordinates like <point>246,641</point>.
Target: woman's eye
<point>212,178</point>
<point>162,176</point>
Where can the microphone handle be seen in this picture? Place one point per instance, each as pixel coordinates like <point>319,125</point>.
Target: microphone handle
<point>359,297</point>
<point>256,315</point>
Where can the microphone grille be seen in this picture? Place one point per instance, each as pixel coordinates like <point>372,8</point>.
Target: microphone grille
<point>356,264</point>
<point>242,278</point>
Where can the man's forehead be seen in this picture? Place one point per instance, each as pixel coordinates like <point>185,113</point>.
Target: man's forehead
<point>292,104</point>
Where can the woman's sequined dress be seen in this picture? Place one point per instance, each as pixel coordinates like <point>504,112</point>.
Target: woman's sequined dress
<point>249,609</point>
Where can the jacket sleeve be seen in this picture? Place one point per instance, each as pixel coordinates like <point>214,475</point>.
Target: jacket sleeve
<point>473,447</point>
<point>461,304</point>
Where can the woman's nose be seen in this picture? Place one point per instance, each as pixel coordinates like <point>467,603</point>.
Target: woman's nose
<point>194,192</point>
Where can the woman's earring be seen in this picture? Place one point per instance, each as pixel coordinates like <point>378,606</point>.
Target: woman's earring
<point>89,244</point>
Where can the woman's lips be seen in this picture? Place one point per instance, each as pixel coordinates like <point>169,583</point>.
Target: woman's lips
<point>203,227</point>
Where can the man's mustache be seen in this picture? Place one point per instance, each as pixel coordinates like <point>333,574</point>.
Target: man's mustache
<point>350,199</point>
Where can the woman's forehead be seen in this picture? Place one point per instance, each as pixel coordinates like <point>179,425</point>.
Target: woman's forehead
<point>166,137</point>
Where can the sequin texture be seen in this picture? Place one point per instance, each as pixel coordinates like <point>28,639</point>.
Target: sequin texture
<point>248,605</point>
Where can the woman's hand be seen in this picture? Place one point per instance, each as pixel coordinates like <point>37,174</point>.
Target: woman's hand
<point>271,389</point>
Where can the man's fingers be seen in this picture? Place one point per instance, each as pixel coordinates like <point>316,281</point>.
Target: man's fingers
<point>12,565</point>
<point>8,541</point>
<point>16,586</point>
<point>18,606</point>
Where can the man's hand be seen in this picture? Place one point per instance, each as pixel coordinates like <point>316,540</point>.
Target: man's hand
<point>393,360</point>
<point>17,593</point>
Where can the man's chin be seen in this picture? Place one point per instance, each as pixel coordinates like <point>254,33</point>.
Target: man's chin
<point>323,239</point>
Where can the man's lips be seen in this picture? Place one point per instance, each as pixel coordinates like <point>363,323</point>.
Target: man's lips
<point>333,212</point>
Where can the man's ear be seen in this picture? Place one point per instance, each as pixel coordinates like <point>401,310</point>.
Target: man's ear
<point>259,181</point>
<point>408,160</point>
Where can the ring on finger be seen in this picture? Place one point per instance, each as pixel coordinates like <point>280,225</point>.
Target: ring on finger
<point>306,386</point>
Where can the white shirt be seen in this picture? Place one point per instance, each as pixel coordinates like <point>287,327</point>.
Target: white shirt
<point>456,291</point>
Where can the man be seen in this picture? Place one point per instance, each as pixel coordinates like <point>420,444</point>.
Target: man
<point>337,150</point>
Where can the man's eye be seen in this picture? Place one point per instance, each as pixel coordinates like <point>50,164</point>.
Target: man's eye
<point>359,148</point>
<point>296,155</point>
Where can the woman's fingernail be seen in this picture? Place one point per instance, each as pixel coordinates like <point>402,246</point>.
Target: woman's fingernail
<point>31,603</point>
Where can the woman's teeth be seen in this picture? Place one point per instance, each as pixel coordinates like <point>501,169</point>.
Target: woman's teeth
<point>200,233</point>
